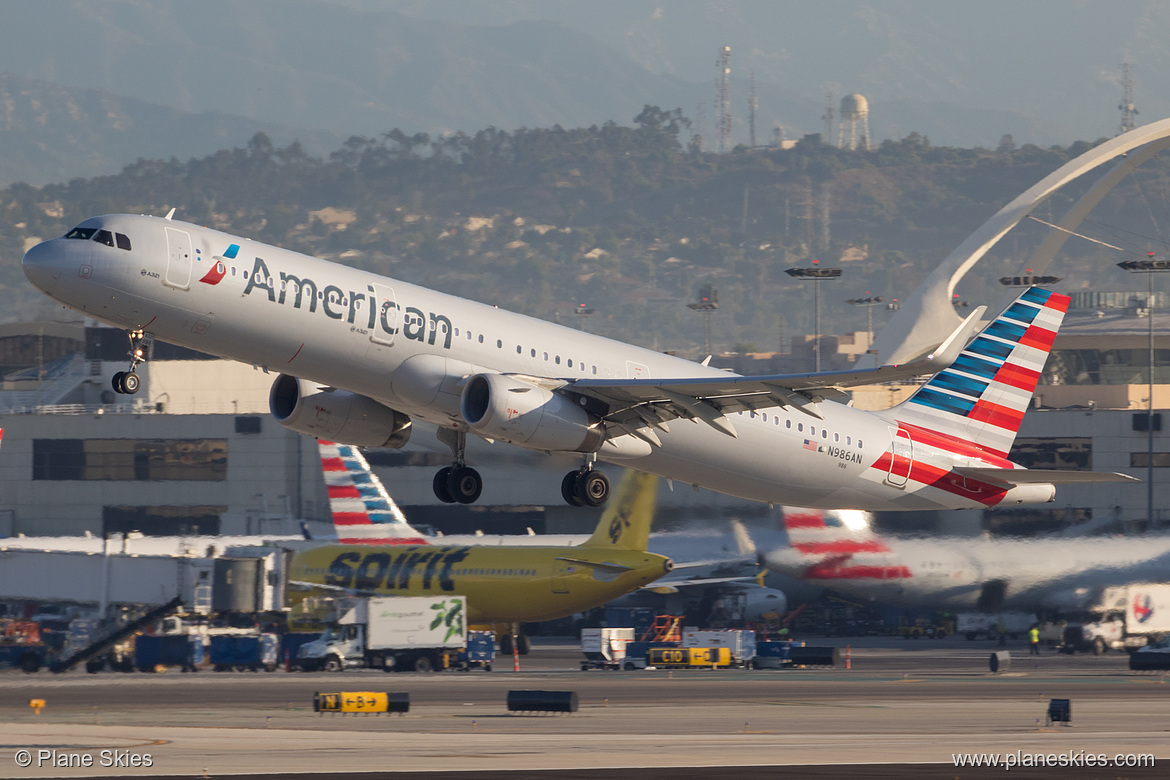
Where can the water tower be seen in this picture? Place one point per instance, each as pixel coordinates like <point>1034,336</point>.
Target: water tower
<point>854,132</point>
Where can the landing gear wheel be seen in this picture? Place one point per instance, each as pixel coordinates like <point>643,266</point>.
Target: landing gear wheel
<point>442,484</point>
<point>569,489</point>
<point>131,382</point>
<point>592,487</point>
<point>464,484</point>
<point>523,645</point>
<point>505,644</point>
<point>116,382</point>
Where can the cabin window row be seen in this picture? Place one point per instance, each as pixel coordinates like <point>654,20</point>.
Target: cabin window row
<point>800,427</point>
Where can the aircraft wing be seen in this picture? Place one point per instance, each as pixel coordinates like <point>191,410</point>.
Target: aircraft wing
<point>640,405</point>
<point>1013,477</point>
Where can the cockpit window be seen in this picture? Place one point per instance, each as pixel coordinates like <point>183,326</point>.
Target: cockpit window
<point>104,237</point>
<point>85,234</point>
<point>123,241</point>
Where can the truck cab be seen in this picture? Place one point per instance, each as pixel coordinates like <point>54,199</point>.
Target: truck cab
<point>338,647</point>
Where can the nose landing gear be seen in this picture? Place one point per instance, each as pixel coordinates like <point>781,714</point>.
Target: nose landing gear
<point>128,382</point>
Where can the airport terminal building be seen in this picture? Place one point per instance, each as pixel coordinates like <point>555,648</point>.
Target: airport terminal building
<point>196,451</point>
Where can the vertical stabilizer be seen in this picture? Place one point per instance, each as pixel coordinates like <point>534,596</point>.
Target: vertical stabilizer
<point>627,518</point>
<point>363,512</point>
<point>830,532</point>
<point>981,398</point>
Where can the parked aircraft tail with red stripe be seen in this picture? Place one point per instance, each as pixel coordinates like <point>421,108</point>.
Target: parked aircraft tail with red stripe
<point>981,398</point>
<point>363,512</point>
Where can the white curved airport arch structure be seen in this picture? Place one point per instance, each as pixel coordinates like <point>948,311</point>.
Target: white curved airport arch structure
<point>913,330</point>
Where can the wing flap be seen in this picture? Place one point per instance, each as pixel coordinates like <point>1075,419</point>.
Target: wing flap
<point>1013,477</point>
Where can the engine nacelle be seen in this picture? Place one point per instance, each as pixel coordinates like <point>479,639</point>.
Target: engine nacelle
<point>338,415</point>
<point>518,412</point>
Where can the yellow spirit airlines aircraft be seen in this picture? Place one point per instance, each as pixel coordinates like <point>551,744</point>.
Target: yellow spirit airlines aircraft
<point>503,584</point>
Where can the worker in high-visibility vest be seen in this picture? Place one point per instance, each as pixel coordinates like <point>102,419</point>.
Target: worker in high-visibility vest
<point>1034,640</point>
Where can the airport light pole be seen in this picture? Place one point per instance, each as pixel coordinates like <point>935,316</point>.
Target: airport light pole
<point>1149,267</point>
<point>582,311</point>
<point>707,304</point>
<point>868,303</point>
<point>816,274</point>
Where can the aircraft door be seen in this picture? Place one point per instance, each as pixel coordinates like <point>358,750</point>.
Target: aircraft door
<point>901,458</point>
<point>385,315</point>
<point>179,262</point>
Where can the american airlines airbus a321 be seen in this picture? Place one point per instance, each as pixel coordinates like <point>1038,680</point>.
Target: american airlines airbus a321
<point>360,355</point>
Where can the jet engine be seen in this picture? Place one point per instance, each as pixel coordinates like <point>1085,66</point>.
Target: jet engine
<point>337,415</point>
<point>509,409</point>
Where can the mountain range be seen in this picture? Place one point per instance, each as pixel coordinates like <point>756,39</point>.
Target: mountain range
<point>91,85</point>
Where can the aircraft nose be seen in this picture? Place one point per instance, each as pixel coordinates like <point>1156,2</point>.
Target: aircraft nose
<point>40,266</point>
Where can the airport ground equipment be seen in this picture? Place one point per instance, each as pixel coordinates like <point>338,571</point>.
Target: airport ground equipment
<point>740,642</point>
<point>244,652</point>
<point>21,645</point>
<point>606,648</point>
<point>479,652</point>
<point>152,651</point>
<point>542,701</point>
<point>1129,617</point>
<point>984,625</point>
<point>361,702</point>
<point>923,628</point>
<point>773,654</point>
<point>104,643</point>
<point>391,633</point>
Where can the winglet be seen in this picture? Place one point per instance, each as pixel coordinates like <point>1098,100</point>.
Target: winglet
<point>948,351</point>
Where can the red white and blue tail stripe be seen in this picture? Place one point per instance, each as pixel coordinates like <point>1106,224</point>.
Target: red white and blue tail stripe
<point>981,398</point>
<point>834,545</point>
<point>363,512</point>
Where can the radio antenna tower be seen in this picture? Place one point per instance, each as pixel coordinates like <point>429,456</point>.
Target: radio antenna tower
<point>829,116</point>
<point>1128,111</point>
<point>723,98</point>
<point>753,106</point>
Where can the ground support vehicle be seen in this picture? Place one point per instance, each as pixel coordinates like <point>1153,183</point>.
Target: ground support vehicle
<point>391,633</point>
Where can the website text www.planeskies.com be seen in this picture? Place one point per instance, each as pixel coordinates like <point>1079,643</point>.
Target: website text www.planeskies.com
<point>1066,759</point>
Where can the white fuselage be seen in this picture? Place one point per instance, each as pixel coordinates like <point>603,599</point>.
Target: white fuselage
<point>961,573</point>
<point>319,321</point>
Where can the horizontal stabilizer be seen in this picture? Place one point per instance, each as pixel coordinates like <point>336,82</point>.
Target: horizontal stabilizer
<point>1013,477</point>
<point>672,586</point>
<point>608,568</point>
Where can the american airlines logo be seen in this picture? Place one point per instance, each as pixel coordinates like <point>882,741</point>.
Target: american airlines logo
<point>215,275</point>
<point>339,304</point>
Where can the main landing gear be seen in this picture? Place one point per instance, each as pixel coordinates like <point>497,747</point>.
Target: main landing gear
<point>458,483</point>
<point>461,484</point>
<point>128,382</point>
<point>586,486</point>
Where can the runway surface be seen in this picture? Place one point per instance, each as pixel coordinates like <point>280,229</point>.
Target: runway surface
<point>904,709</point>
